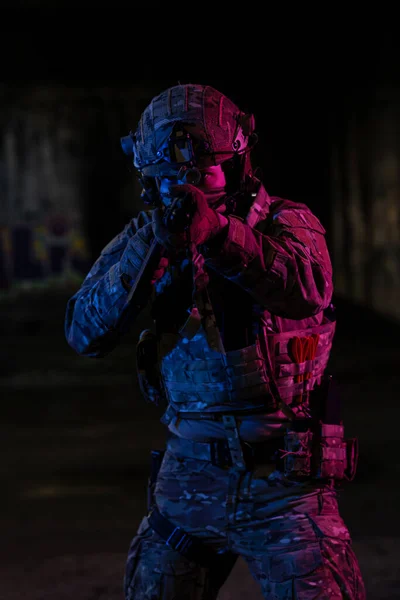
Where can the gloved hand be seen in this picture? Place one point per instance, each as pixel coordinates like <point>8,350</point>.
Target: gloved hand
<point>204,224</point>
<point>172,241</point>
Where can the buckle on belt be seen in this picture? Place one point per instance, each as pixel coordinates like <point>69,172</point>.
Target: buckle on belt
<point>220,454</point>
<point>179,540</point>
<point>248,454</point>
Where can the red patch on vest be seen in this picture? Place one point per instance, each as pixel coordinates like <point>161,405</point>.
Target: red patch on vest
<point>302,349</point>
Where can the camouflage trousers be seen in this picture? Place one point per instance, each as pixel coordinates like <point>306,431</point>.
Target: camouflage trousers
<point>290,534</point>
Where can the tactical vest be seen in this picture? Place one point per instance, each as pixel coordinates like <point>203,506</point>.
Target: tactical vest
<point>197,378</point>
<point>276,374</point>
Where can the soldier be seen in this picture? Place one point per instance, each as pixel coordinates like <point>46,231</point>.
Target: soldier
<point>240,286</point>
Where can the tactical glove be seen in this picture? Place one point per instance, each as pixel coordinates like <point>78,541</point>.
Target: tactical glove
<point>205,223</point>
<point>171,240</point>
<point>202,224</point>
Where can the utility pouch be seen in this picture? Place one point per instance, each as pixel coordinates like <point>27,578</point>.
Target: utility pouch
<point>147,368</point>
<point>322,454</point>
<point>335,457</point>
<point>156,458</point>
<point>331,452</point>
<point>297,454</point>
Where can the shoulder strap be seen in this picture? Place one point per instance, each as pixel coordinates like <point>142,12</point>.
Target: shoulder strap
<point>259,208</point>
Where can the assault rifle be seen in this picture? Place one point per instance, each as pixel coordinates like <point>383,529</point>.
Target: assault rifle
<point>177,217</point>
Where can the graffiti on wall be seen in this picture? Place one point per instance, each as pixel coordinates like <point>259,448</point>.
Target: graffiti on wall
<point>41,238</point>
<point>56,160</point>
<point>33,256</point>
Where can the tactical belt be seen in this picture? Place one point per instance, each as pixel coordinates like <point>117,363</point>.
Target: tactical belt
<point>217,415</point>
<point>218,452</point>
<point>177,539</point>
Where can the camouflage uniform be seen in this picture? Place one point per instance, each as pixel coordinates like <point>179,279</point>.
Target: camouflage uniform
<point>269,283</point>
<point>292,538</point>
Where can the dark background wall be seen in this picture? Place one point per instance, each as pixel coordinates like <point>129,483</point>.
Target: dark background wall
<point>76,435</point>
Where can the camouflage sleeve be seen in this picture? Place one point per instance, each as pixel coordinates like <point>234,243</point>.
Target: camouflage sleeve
<point>97,315</point>
<point>284,263</point>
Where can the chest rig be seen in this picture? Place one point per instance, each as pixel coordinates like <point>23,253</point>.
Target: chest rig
<point>274,376</point>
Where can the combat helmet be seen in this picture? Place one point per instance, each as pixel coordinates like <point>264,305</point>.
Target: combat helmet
<point>188,127</point>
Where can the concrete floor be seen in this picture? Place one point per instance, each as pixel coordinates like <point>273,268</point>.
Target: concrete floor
<point>75,442</point>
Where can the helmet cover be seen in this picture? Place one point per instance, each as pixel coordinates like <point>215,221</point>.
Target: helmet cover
<point>188,125</point>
